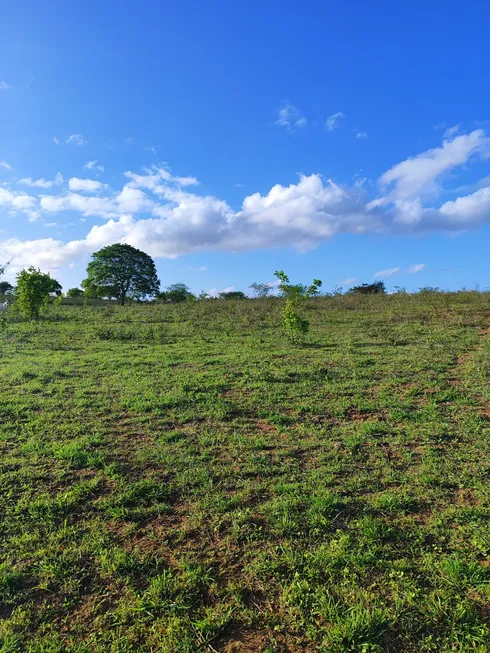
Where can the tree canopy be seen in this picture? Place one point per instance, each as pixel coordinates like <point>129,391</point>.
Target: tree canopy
<point>6,288</point>
<point>233,294</point>
<point>376,288</point>
<point>56,288</point>
<point>177,292</point>
<point>122,271</point>
<point>261,290</point>
<point>74,292</point>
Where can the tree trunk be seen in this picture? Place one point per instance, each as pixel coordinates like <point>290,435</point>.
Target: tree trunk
<point>123,298</point>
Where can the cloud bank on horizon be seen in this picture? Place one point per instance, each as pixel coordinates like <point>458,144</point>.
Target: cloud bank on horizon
<point>159,213</point>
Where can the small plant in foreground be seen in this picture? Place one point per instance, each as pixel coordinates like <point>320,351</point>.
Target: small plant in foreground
<point>296,326</point>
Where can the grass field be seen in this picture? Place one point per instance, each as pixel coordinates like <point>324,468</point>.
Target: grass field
<point>182,479</point>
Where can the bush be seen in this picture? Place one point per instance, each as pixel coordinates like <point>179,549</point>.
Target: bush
<point>233,294</point>
<point>377,288</point>
<point>33,288</point>
<point>176,293</point>
<point>74,292</point>
<point>296,326</point>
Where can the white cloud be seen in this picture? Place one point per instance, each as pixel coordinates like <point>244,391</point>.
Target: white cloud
<point>201,268</point>
<point>186,181</point>
<point>361,135</point>
<point>156,180</point>
<point>48,225</point>
<point>349,281</point>
<point>15,200</point>
<point>386,273</point>
<point>76,139</point>
<point>157,212</point>
<point>56,140</point>
<point>4,164</point>
<point>88,206</point>
<point>88,185</point>
<point>150,180</point>
<point>41,183</point>
<point>300,215</point>
<point>128,200</point>
<point>417,176</point>
<point>37,183</point>
<point>93,165</point>
<point>451,131</point>
<point>290,117</point>
<point>333,121</point>
<point>133,200</point>
<point>4,86</point>
<point>418,267</point>
<point>468,210</point>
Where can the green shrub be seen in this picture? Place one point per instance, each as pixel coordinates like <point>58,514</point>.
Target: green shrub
<point>33,288</point>
<point>296,326</point>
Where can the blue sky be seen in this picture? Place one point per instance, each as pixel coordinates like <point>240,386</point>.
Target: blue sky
<point>344,141</point>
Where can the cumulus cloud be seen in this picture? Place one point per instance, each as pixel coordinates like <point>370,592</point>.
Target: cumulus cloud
<point>4,86</point>
<point>417,176</point>
<point>89,185</point>
<point>37,183</point>
<point>465,211</point>
<point>157,180</point>
<point>290,117</point>
<point>361,135</point>
<point>332,121</point>
<point>15,200</point>
<point>42,183</point>
<point>418,267</point>
<point>164,215</point>
<point>4,164</point>
<point>386,273</point>
<point>87,206</point>
<point>76,139</point>
<point>128,200</point>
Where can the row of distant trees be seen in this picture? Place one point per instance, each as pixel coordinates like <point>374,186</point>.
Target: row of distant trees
<point>120,272</point>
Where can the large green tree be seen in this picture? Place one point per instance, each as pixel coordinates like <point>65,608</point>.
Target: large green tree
<point>128,271</point>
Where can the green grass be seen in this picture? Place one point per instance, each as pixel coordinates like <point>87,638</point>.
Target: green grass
<point>181,478</point>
